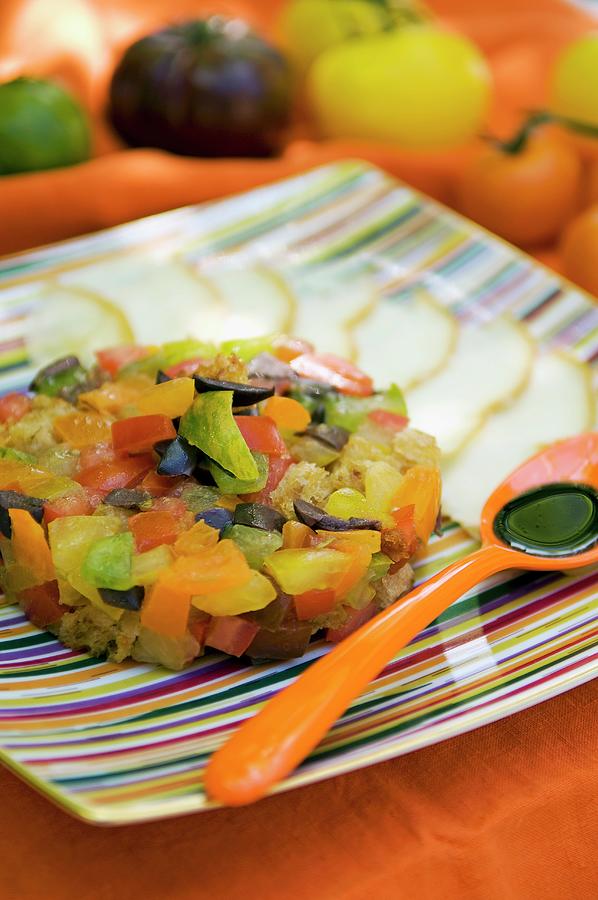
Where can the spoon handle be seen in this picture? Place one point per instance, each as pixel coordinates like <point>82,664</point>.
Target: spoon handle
<point>270,745</point>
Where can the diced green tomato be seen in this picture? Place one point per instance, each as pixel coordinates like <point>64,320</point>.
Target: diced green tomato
<point>309,569</point>
<point>109,562</point>
<point>71,537</point>
<point>146,567</point>
<point>346,503</point>
<point>382,482</point>
<point>199,497</point>
<point>255,543</point>
<point>257,593</point>
<point>228,484</point>
<point>247,348</point>
<point>310,449</point>
<point>379,566</point>
<point>59,461</point>
<point>209,425</point>
<point>9,453</point>
<point>350,412</point>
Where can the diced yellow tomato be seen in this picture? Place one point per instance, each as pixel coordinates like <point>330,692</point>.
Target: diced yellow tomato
<point>72,536</point>
<point>360,557</point>
<point>288,414</point>
<point>346,503</point>
<point>171,398</point>
<point>382,481</point>
<point>30,547</point>
<point>147,567</point>
<point>82,429</point>
<point>36,482</point>
<point>257,593</point>
<point>197,538</point>
<point>113,395</point>
<point>308,569</point>
<point>421,487</point>
<point>165,610</point>
<point>209,570</point>
<point>364,538</point>
<point>296,535</point>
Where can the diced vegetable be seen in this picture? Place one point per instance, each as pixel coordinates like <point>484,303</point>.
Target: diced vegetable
<point>30,547</point>
<point>259,515</point>
<point>152,528</point>
<point>118,474</point>
<point>199,497</point>
<point>312,450</point>
<point>14,500</point>
<point>127,498</point>
<point>296,535</point>
<point>41,604</point>
<point>278,468</point>
<point>243,394</point>
<point>211,570</point>
<point>60,378</point>
<point>382,481</point>
<point>147,567</point>
<point>267,366</point>
<point>401,542</point>
<point>288,414</point>
<point>247,348</point>
<point>314,603</point>
<point>112,396</point>
<point>316,518</point>
<point>298,571</point>
<point>139,433</point>
<point>261,435</point>
<point>109,561</point>
<point>230,634</point>
<point>332,435</point>
<point>360,556</point>
<point>158,486</point>
<point>217,518</point>
<point>11,453</point>
<point>371,540</point>
<point>201,535</point>
<point>255,543</point>
<point>356,618</point>
<point>113,359</point>
<point>130,599</point>
<point>379,566</point>
<point>210,426</point>
<point>178,457</point>
<point>72,536</point>
<point>169,356</point>
<point>385,419</point>
<point>228,484</point>
<point>81,429</point>
<point>350,412</point>
<point>346,503</point>
<point>287,348</point>
<point>172,398</point>
<point>286,641</point>
<point>421,487</point>
<point>333,370</point>
<point>13,407</point>
<point>257,593</point>
<point>72,504</point>
<point>165,609</point>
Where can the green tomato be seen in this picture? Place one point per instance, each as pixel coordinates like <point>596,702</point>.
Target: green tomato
<point>41,127</point>
<point>418,86</point>
<point>575,81</point>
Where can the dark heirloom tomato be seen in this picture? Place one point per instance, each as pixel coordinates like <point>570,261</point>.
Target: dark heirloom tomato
<point>202,88</point>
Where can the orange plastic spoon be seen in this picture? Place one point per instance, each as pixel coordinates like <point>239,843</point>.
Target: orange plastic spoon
<point>270,745</point>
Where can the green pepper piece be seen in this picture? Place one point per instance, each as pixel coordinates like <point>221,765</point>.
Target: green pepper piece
<point>9,453</point>
<point>228,484</point>
<point>109,562</point>
<point>209,425</point>
<point>255,543</point>
<point>350,412</point>
<point>247,348</point>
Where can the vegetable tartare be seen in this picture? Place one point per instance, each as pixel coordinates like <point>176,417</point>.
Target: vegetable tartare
<point>242,498</point>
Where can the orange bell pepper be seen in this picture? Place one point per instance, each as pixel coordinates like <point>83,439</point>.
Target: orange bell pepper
<point>140,433</point>
<point>30,546</point>
<point>195,539</point>
<point>82,429</point>
<point>421,487</point>
<point>166,609</point>
<point>296,535</point>
<point>171,398</point>
<point>152,528</point>
<point>209,570</point>
<point>288,414</point>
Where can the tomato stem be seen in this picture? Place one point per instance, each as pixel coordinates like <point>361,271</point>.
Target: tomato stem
<point>539,117</point>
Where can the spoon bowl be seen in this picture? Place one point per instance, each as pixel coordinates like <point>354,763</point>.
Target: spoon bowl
<point>269,746</point>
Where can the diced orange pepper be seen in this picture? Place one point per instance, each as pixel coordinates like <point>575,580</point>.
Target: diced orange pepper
<point>288,414</point>
<point>152,528</point>
<point>139,433</point>
<point>166,609</point>
<point>361,557</point>
<point>209,570</point>
<point>296,535</point>
<point>171,398</point>
<point>314,603</point>
<point>197,538</point>
<point>421,487</point>
<point>113,395</point>
<point>82,429</point>
<point>30,546</point>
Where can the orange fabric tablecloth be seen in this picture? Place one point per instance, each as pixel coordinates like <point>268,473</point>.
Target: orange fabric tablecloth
<point>508,812</point>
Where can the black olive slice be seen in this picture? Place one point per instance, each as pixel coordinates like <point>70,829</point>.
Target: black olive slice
<point>127,498</point>
<point>15,500</point>
<point>131,599</point>
<point>259,515</point>
<point>217,517</point>
<point>179,457</point>
<point>332,435</point>
<point>243,394</point>
<point>315,517</point>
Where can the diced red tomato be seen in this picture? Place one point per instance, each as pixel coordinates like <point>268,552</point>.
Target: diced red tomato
<point>231,634</point>
<point>356,618</point>
<point>96,454</point>
<point>199,630</point>
<point>119,473</point>
<point>390,420</point>
<point>185,368</point>
<point>159,485</point>
<point>176,507</point>
<point>113,359</point>
<point>41,604</point>
<point>276,471</point>
<point>152,528</point>
<point>287,348</point>
<point>78,504</point>
<point>261,434</point>
<point>13,407</point>
<point>139,433</point>
<point>314,603</point>
<point>331,369</point>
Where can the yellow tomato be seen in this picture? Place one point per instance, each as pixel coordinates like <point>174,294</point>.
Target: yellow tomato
<point>575,81</point>
<point>419,86</point>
